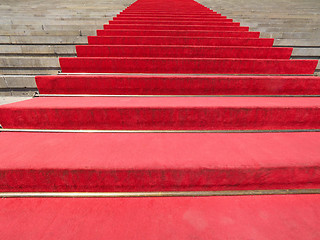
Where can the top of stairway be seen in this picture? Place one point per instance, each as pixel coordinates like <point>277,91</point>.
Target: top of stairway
<point>52,29</point>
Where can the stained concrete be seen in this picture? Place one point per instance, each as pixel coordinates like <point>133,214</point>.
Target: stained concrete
<point>7,100</point>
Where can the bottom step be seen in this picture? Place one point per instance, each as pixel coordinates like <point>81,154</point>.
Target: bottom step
<point>237,217</point>
<point>107,162</point>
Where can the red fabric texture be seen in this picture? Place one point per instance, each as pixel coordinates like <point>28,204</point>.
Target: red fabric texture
<point>182,51</point>
<point>178,85</point>
<point>250,217</point>
<point>158,161</point>
<point>186,65</point>
<point>152,37</point>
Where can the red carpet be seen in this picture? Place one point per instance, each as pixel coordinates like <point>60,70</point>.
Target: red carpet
<point>236,32</point>
<point>163,113</point>
<point>186,65</point>
<point>158,161</point>
<point>229,26</point>
<point>182,51</point>
<point>187,44</point>
<point>250,217</point>
<point>178,85</point>
<point>180,46</point>
<point>171,40</point>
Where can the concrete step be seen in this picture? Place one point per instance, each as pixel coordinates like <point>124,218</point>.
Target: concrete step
<point>29,71</point>
<point>47,33</point>
<point>79,20</point>
<point>306,52</point>
<point>41,27</point>
<point>29,62</point>
<point>7,100</point>
<point>17,85</point>
<point>53,40</point>
<point>23,64</point>
<point>280,24</point>
<point>51,22</point>
<point>287,29</point>
<point>19,93</point>
<point>13,81</point>
<point>278,17</point>
<point>297,43</point>
<point>291,35</point>
<point>27,50</point>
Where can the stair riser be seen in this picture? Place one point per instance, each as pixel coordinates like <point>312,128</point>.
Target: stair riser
<point>188,65</point>
<point>214,27</point>
<point>53,180</point>
<point>168,14</point>
<point>164,18</point>
<point>143,12</point>
<point>177,10</point>
<point>190,13</point>
<point>140,85</point>
<point>204,23</point>
<point>163,118</point>
<point>143,40</point>
<point>167,18</point>
<point>182,52</point>
<point>239,33</point>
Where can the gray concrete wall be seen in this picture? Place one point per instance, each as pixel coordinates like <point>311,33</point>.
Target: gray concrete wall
<point>33,34</point>
<point>293,23</point>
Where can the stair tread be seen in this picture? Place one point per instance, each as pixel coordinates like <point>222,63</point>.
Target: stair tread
<point>158,161</point>
<point>167,102</point>
<point>252,217</point>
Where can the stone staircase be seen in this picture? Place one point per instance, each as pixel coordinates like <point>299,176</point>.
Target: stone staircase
<point>174,122</point>
<point>32,42</point>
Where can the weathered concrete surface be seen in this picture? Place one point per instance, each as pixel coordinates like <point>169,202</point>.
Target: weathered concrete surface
<point>18,81</point>
<point>6,100</point>
<point>34,34</point>
<point>281,19</point>
<point>43,39</point>
<point>27,50</point>
<point>294,23</point>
